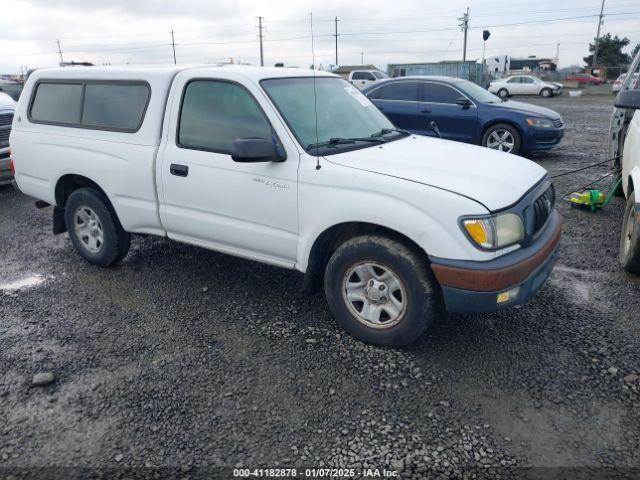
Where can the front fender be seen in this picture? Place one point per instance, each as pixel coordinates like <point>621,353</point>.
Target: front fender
<point>426,215</point>
<point>634,174</point>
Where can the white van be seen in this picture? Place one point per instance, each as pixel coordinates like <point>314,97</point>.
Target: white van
<point>624,145</point>
<point>289,167</point>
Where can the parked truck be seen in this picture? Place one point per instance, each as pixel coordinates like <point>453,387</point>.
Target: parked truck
<point>7,106</point>
<point>624,147</point>
<point>364,78</point>
<point>293,168</point>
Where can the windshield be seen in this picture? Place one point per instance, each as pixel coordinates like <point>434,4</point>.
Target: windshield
<point>379,75</point>
<point>343,112</point>
<point>476,92</point>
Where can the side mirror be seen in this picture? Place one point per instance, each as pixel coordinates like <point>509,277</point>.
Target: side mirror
<point>249,150</point>
<point>628,99</point>
<point>464,102</point>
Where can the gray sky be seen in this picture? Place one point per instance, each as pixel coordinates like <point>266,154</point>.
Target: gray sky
<point>128,31</point>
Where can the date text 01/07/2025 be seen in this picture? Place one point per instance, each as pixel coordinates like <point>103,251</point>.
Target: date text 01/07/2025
<point>314,473</point>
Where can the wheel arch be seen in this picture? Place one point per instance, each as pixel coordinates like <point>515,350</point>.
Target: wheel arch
<point>332,237</point>
<point>65,186</point>
<point>632,181</point>
<point>70,182</point>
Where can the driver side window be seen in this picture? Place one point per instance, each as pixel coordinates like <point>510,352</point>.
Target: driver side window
<point>214,113</point>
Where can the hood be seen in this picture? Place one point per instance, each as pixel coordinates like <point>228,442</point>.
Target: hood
<point>6,102</point>
<point>494,179</point>
<point>528,109</point>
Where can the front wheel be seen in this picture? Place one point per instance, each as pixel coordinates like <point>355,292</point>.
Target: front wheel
<point>380,291</point>
<point>502,137</point>
<point>629,255</point>
<point>94,228</point>
<point>546,92</point>
<point>503,93</point>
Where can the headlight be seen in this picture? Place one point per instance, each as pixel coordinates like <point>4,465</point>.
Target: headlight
<point>495,231</point>
<point>540,122</point>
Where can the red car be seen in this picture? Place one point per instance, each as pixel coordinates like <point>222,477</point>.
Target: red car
<point>584,79</point>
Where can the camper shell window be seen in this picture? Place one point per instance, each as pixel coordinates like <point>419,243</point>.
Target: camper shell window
<point>110,105</point>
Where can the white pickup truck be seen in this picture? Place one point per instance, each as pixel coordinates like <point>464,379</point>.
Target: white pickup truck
<point>293,168</point>
<point>624,146</point>
<point>364,78</point>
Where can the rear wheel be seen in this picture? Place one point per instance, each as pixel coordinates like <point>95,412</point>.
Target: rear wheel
<point>94,228</point>
<point>503,93</point>
<point>629,255</point>
<point>502,137</point>
<point>380,291</point>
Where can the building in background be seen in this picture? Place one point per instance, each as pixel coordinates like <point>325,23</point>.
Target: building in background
<point>470,70</point>
<point>531,65</point>
<point>501,66</point>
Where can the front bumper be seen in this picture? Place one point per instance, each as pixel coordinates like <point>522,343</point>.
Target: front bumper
<point>544,138</point>
<point>482,287</point>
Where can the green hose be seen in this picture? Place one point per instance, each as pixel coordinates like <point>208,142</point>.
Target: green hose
<point>612,193</point>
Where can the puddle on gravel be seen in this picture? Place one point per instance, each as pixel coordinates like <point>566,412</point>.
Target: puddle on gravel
<point>27,282</point>
<point>581,285</point>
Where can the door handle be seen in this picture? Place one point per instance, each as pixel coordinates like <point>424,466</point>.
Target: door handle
<point>179,170</point>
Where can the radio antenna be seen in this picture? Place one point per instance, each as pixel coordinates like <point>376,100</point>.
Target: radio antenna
<point>315,95</point>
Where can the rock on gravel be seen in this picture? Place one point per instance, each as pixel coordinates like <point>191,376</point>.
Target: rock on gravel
<point>43,379</point>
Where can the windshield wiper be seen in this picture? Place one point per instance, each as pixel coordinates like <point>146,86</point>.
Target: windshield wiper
<point>385,131</point>
<point>343,141</point>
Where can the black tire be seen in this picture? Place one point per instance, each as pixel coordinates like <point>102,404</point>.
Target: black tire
<point>115,241</point>
<point>546,93</point>
<point>629,255</point>
<point>503,93</point>
<point>517,138</point>
<point>420,297</point>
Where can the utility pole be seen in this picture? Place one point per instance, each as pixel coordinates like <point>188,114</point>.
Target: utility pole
<point>261,36</point>
<point>557,54</point>
<point>595,50</point>
<point>60,52</point>
<point>173,45</point>
<point>336,35</point>
<point>361,58</point>
<point>464,26</point>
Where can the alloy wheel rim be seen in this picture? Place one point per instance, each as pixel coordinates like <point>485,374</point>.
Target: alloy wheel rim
<point>88,229</point>
<point>374,294</point>
<point>501,140</point>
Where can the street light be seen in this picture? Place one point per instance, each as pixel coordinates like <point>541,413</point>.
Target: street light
<point>485,36</point>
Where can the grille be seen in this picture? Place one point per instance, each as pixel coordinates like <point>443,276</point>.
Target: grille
<point>542,208</point>
<point>4,137</point>
<point>6,119</point>
<point>558,123</point>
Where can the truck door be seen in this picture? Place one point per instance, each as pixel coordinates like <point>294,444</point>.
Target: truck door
<point>207,199</point>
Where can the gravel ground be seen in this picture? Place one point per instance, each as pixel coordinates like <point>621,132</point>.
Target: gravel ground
<point>184,363</point>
